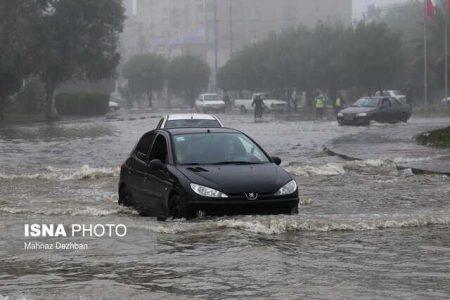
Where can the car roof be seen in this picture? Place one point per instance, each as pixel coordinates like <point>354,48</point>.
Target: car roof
<point>172,117</point>
<point>177,131</point>
<point>209,94</point>
<point>374,97</point>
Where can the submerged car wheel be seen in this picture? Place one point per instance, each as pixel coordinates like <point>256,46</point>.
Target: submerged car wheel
<point>125,197</point>
<point>404,118</point>
<point>177,209</point>
<point>294,211</point>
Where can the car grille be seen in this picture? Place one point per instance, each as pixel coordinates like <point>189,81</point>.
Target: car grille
<point>349,116</point>
<point>242,196</point>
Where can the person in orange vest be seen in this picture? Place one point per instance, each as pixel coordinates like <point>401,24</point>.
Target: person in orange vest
<point>320,106</point>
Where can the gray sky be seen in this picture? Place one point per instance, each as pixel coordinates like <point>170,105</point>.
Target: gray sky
<point>360,6</point>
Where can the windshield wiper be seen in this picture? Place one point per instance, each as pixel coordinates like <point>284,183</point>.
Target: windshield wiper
<point>235,163</point>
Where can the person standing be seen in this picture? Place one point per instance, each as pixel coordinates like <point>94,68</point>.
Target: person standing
<point>227,101</point>
<point>337,104</point>
<point>259,105</point>
<point>320,106</point>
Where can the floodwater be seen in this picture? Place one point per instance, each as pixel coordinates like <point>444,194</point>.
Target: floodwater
<point>366,230</point>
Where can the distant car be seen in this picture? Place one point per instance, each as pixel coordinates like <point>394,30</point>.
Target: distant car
<point>188,172</point>
<point>270,103</point>
<point>380,109</point>
<point>446,101</point>
<point>189,120</point>
<point>209,102</point>
<point>394,94</point>
<point>113,106</point>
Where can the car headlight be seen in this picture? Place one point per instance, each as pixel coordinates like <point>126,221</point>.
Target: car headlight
<point>287,189</point>
<point>207,192</point>
<point>340,114</point>
<point>362,115</point>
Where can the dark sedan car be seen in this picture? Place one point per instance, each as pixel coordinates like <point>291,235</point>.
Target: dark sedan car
<point>186,172</point>
<point>380,109</point>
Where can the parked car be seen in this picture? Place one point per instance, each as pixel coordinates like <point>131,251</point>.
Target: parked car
<point>189,120</point>
<point>394,94</point>
<point>446,101</point>
<point>380,109</point>
<point>113,106</point>
<point>186,172</point>
<point>209,102</point>
<point>270,103</point>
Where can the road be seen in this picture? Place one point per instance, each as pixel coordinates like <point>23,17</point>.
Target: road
<point>365,230</point>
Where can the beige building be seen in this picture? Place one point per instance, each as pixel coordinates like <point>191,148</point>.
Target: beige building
<point>174,27</point>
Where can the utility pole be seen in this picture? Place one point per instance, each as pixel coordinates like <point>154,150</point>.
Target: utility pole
<point>231,28</point>
<point>425,62</point>
<point>446,49</point>
<point>216,47</point>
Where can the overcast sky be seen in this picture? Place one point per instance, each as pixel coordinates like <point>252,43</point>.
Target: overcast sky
<point>360,6</point>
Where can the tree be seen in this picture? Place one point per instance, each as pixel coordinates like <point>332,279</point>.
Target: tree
<point>9,84</point>
<point>327,57</point>
<point>188,75</point>
<point>374,56</point>
<point>17,21</point>
<point>76,38</point>
<point>146,74</point>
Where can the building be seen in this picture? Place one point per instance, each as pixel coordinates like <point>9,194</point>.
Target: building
<point>174,27</point>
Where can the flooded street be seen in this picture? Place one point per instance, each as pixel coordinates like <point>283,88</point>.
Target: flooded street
<point>366,230</point>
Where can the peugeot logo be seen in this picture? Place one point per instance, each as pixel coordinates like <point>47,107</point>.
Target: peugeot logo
<point>251,196</point>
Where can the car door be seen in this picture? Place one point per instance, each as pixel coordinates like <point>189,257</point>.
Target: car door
<point>385,110</point>
<point>136,169</point>
<point>158,180</point>
<point>397,110</point>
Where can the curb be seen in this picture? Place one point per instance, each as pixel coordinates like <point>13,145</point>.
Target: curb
<point>417,170</point>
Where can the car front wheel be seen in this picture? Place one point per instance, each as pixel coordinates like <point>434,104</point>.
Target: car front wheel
<point>178,209</point>
<point>405,118</point>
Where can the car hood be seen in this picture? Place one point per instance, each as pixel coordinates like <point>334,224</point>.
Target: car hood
<point>237,179</point>
<point>356,110</point>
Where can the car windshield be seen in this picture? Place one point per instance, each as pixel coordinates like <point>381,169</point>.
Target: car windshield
<point>192,123</point>
<point>264,96</point>
<point>217,149</point>
<point>367,102</point>
<point>212,97</point>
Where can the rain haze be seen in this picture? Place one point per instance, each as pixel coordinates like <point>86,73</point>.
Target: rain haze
<point>360,6</point>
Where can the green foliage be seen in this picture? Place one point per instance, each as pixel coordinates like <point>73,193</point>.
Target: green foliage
<point>82,103</point>
<point>145,74</point>
<point>16,25</point>
<point>439,138</point>
<point>374,57</point>
<point>79,39</point>
<point>188,75</point>
<point>60,39</point>
<point>326,57</point>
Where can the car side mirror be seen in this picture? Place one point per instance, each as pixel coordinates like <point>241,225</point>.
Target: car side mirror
<point>276,160</point>
<point>157,164</point>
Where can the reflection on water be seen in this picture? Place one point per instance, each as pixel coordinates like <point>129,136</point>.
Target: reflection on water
<point>365,230</point>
